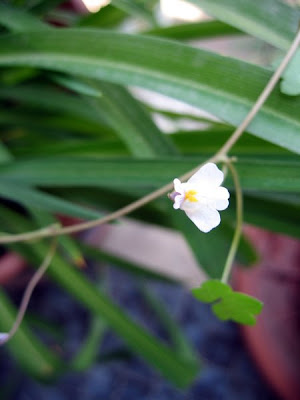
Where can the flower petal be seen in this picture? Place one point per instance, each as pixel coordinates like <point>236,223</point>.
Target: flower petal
<point>178,186</point>
<point>178,200</point>
<point>208,175</point>
<point>221,196</point>
<point>205,218</point>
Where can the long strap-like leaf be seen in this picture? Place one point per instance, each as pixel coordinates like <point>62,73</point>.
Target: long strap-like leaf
<point>223,86</point>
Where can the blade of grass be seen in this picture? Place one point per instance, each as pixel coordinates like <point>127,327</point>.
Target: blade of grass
<point>18,20</point>
<point>196,30</point>
<point>31,197</point>
<point>271,20</point>
<point>277,173</point>
<point>220,85</point>
<point>88,353</point>
<point>131,122</point>
<point>174,331</point>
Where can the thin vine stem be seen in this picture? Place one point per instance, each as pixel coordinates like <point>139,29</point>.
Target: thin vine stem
<point>239,224</point>
<point>220,156</point>
<point>28,292</point>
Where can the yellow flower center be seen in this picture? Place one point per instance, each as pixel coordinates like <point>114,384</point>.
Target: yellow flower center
<point>190,196</point>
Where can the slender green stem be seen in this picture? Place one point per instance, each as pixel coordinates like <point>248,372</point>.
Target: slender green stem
<point>5,337</point>
<point>220,156</point>
<point>239,224</point>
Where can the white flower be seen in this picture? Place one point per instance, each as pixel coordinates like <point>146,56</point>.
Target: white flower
<point>202,196</point>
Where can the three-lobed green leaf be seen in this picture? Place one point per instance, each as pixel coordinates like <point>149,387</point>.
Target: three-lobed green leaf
<point>228,304</point>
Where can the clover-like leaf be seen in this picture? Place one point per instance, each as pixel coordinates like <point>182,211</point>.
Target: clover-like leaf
<point>238,307</point>
<point>228,304</point>
<point>211,290</point>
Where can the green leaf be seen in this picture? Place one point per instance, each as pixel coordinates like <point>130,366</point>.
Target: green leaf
<point>35,358</point>
<point>270,20</point>
<point>18,20</point>
<point>42,324</point>
<point>63,17</point>
<point>103,148</point>
<point>227,304</point>
<point>31,127</point>
<point>88,353</point>
<point>195,143</point>
<point>107,17</point>
<point>223,86</point>
<point>274,211</point>
<point>290,83</point>
<point>131,122</point>
<point>211,291</point>
<point>14,76</point>
<point>238,307</point>
<point>196,30</point>
<point>41,7</point>
<point>179,341</point>
<point>278,173</point>
<point>208,141</point>
<point>76,85</point>
<point>31,197</point>
<point>48,98</point>
<point>135,7</point>
<point>5,155</point>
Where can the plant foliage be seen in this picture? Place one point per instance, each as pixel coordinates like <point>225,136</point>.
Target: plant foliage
<point>76,140</point>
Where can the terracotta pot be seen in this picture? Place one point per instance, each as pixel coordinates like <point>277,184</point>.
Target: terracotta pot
<point>274,341</point>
